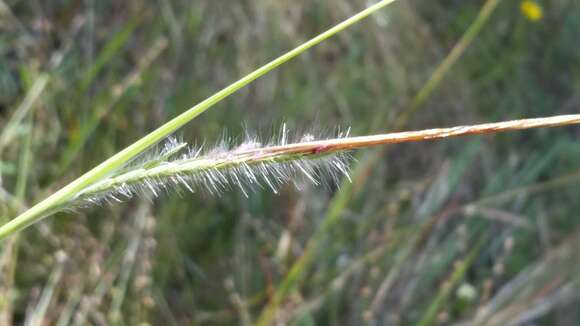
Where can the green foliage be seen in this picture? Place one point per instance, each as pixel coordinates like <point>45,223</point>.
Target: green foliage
<point>419,224</point>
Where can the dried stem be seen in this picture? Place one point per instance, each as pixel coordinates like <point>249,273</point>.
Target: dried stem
<point>342,144</point>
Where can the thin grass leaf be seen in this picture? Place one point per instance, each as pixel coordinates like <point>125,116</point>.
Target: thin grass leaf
<point>62,196</point>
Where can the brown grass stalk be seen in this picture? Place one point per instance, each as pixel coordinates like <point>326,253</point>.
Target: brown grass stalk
<point>342,144</point>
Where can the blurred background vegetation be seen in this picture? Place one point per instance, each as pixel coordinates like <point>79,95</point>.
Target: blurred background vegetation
<point>479,230</point>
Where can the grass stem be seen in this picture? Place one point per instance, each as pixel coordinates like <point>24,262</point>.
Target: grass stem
<point>65,194</point>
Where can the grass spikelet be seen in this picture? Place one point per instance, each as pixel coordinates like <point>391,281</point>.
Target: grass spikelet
<point>246,166</point>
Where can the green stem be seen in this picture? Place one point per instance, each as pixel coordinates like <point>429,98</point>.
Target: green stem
<point>443,69</point>
<point>62,196</point>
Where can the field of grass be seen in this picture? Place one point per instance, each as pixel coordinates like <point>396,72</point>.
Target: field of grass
<point>476,230</point>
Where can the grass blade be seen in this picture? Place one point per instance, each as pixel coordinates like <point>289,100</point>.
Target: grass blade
<point>48,205</point>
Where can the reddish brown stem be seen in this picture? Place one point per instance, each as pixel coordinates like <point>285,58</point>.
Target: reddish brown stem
<point>340,144</point>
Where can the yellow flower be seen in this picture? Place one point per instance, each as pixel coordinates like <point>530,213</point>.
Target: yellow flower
<point>531,10</point>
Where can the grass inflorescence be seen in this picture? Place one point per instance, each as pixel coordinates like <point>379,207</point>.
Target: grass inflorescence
<point>247,165</point>
<point>254,163</point>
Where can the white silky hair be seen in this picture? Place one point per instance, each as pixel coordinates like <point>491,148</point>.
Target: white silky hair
<point>175,166</point>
